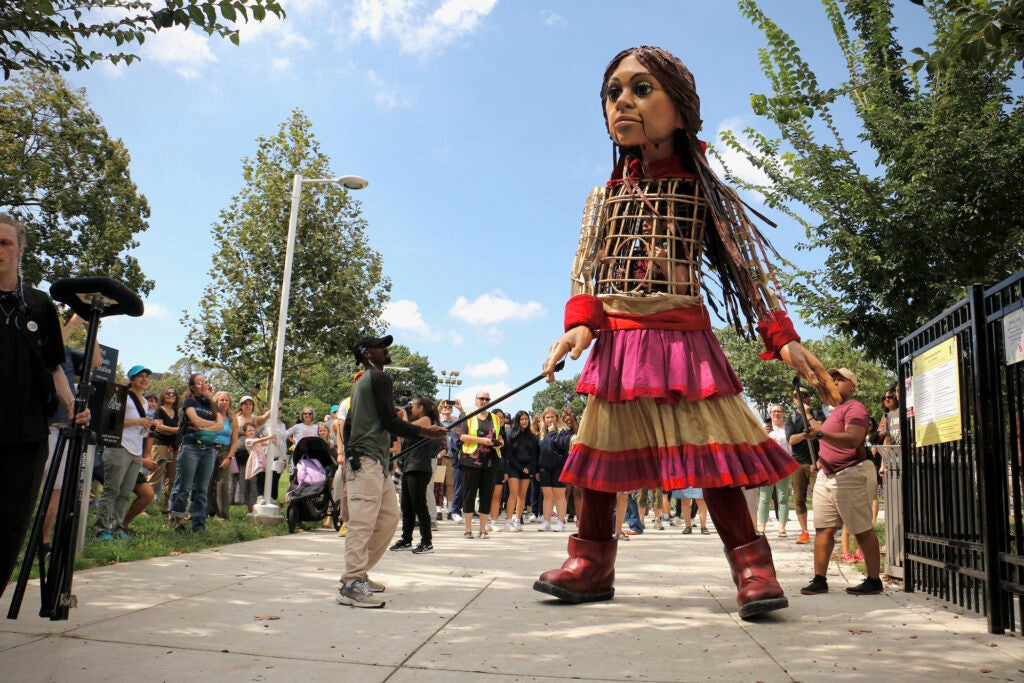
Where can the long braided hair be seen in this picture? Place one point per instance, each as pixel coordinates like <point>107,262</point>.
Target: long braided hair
<point>743,299</point>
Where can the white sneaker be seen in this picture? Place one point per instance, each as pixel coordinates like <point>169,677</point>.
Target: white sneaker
<point>491,528</point>
<point>531,518</point>
<point>511,525</point>
<point>544,526</point>
<point>456,517</point>
<point>558,525</point>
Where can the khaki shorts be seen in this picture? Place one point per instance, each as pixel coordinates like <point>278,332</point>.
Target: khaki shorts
<point>845,496</point>
<point>449,474</point>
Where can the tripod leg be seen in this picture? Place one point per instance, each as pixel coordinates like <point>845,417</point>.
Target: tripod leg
<point>34,547</point>
<point>58,597</point>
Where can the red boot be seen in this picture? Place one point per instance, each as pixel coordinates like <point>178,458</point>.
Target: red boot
<point>754,576</point>
<point>588,574</point>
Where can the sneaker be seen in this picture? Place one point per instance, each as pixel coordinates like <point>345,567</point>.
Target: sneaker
<point>423,549</point>
<point>104,536</point>
<point>819,584</point>
<point>510,525</point>
<point>531,518</point>
<point>180,529</point>
<point>847,557</point>
<point>343,531</point>
<point>401,545</point>
<point>859,556</point>
<point>868,586</point>
<point>677,521</point>
<point>357,594</point>
<point>449,516</point>
<point>544,526</point>
<point>456,517</point>
<point>433,526</point>
<point>491,527</point>
<point>804,538</point>
<point>125,536</point>
<point>559,525</point>
<point>665,517</point>
<point>374,586</point>
<point>261,500</point>
<point>633,532</point>
<point>440,516</point>
<point>659,525</point>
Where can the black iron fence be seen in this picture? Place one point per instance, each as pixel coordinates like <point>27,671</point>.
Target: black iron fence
<point>961,480</point>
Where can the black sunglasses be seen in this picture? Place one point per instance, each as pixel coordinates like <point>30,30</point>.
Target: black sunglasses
<point>888,396</point>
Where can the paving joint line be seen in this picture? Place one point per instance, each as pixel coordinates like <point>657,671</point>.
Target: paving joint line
<point>439,628</point>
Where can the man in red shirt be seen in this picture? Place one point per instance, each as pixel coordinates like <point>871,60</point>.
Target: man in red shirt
<point>844,485</point>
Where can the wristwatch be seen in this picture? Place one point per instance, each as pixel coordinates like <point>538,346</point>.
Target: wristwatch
<point>820,434</point>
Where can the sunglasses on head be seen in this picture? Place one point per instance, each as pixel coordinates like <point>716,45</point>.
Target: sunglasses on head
<point>888,396</point>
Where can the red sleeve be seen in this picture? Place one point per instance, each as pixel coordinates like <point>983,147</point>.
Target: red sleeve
<point>776,331</point>
<point>584,309</point>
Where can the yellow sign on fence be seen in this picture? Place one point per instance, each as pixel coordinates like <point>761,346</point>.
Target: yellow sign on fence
<point>937,395</point>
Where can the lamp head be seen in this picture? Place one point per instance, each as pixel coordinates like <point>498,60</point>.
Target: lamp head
<point>352,182</point>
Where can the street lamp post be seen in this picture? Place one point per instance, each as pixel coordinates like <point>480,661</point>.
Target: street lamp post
<point>270,509</point>
<point>449,378</point>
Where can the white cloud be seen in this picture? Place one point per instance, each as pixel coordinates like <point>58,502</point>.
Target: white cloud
<point>186,52</point>
<point>418,27</point>
<point>385,95</point>
<point>495,366</point>
<point>455,339</point>
<point>156,311</point>
<point>405,315</point>
<point>492,308</point>
<point>734,160</point>
<point>551,19</point>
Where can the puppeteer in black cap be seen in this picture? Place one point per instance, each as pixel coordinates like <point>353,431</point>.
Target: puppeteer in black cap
<point>370,343</point>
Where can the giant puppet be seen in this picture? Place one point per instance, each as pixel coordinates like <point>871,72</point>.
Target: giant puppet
<point>664,408</point>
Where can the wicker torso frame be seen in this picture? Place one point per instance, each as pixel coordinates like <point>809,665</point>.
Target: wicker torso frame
<point>642,238</point>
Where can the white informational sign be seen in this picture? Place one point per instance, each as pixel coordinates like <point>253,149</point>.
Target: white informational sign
<point>937,395</point>
<point>1013,336</point>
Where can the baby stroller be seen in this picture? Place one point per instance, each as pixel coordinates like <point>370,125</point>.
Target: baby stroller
<point>310,497</point>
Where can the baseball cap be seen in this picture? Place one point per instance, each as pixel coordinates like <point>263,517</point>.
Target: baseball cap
<point>136,369</point>
<point>334,408</point>
<point>246,398</point>
<point>845,372</point>
<point>369,343</point>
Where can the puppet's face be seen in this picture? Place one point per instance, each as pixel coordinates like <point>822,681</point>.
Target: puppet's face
<point>640,112</point>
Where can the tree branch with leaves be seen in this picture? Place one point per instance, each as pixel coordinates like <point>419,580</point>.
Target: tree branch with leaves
<point>60,35</point>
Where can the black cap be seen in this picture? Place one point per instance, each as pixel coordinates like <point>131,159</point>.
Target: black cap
<point>369,343</point>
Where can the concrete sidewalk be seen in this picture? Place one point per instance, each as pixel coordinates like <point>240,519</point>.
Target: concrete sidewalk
<point>265,611</point>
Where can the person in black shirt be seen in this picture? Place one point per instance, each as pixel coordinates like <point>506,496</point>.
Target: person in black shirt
<point>31,353</point>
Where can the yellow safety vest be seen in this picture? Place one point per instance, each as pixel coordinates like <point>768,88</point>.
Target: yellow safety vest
<point>471,430</point>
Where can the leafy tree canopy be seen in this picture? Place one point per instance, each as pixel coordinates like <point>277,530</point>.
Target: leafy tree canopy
<point>557,394</point>
<point>337,288</point>
<point>984,30</point>
<point>57,35</point>
<point>420,379</point>
<point>936,208</point>
<point>68,182</point>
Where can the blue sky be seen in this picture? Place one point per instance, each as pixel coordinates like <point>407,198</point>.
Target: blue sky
<point>477,123</point>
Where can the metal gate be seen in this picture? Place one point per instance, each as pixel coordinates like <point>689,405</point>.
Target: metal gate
<point>961,518</point>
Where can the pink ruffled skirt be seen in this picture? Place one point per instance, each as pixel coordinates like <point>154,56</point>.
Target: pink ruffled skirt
<point>665,411</point>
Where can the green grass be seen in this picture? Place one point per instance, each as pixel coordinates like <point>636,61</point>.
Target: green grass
<point>154,536</point>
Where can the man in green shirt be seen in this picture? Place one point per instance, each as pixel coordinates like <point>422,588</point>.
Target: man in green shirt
<point>370,428</point>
